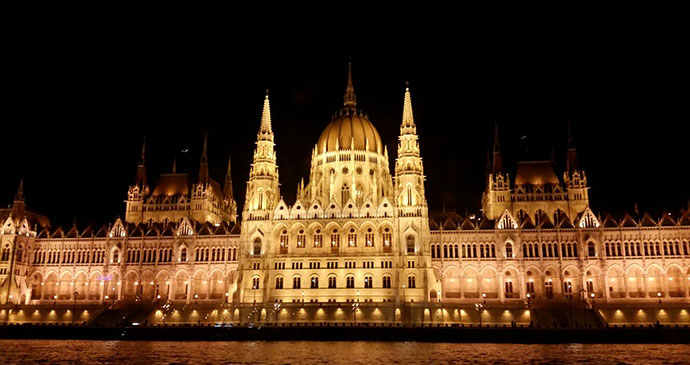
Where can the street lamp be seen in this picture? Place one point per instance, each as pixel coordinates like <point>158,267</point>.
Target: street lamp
<point>659,295</point>
<point>276,309</point>
<point>479,307</point>
<point>403,304</point>
<point>355,307</point>
<point>484,296</point>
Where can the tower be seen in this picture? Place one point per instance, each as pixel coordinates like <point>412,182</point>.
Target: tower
<point>137,192</point>
<point>496,198</point>
<point>575,180</point>
<point>229,204</point>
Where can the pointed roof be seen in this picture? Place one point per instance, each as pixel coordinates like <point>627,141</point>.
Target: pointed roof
<point>647,221</point>
<point>565,222</point>
<point>203,164</point>
<point>20,191</point>
<point>527,223</point>
<point>667,220</point>
<point>227,186</point>
<point>467,224</point>
<point>141,168</point>
<point>266,117</point>
<point>545,222</point>
<point>408,116</point>
<point>18,208</point>
<point>498,158</point>
<point>350,99</point>
<point>486,223</point>
<point>684,219</point>
<point>572,154</point>
<point>628,221</point>
<point>610,222</point>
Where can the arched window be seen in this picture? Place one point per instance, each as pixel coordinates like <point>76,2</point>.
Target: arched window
<point>368,282</point>
<point>314,282</point>
<point>335,239</point>
<point>591,251</point>
<point>344,194</point>
<point>5,253</point>
<point>255,282</point>
<point>369,237</point>
<point>183,254</point>
<point>116,256</point>
<point>445,251</point>
<point>260,203</point>
<point>411,282</point>
<point>387,237</point>
<point>318,238</point>
<point>296,282</point>
<point>410,200</point>
<point>257,246</point>
<point>410,244</point>
<point>509,250</point>
<point>19,253</point>
<point>331,282</point>
<point>352,238</point>
<point>279,282</point>
<point>386,282</point>
<point>283,241</point>
<point>350,282</point>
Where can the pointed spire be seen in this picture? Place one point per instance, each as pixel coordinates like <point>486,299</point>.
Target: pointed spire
<point>227,187</point>
<point>20,191</point>
<point>266,117</point>
<point>141,168</point>
<point>203,165</point>
<point>408,117</point>
<point>636,209</point>
<point>498,158</point>
<point>174,169</point>
<point>350,100</point>
<point>572,154</point>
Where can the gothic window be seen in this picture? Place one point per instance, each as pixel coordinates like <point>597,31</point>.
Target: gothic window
<point>410,201</point>
<point>369,237</point>
<point>410,244</point>
<point>387,237</point>
<point>284,240</point>
<point>183,254</point>
<point>279,282</point>
<point>350,282</point>
<point>411,282</point>
<point>318,238</point>
<point>368,282</point>
<point>296,282</point>
<point>261,199</point>
<point>255,282</point>
<point>331,282</point>
<point>509,250</point>
<point>257,246</point>
<point>335,239</point>
<point>19,253</point>
<point>445,251</point>
<point>386,282</point>
<point>352,238</point>
<point>116,256</point>
<point>344,194</point>
<point>301,239</point>
<point>5,253</point>
<point>314,282</point>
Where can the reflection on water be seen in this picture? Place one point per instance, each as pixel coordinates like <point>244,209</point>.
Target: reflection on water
<point>149,352</point>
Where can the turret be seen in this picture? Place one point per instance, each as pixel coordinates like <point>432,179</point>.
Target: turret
<point>496,197</point>
<point>137,193</point>
<point>409,170</point>
<point>575,180</point>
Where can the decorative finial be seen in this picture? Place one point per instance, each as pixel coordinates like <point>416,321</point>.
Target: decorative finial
<point>350,100</point>
<point>266,116</point>
<point>20,190</point>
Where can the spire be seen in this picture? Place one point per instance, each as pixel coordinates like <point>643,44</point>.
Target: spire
<point>572,154</point>
<point>408,117</point>
<point>350,100</point>
<point>227,187</point>
<point>266,117</point>
<point>498,158</point>
<point>20,191</point>
<point>141,168</point>
<point>174,170</point>
<point>203,165</point>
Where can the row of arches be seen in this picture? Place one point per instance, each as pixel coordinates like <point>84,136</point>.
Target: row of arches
<point>647,249</point>
<point>54,256</point>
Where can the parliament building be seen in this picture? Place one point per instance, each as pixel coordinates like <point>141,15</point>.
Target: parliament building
<point>358,240</point>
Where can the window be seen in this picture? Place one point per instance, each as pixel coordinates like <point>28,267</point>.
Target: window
<point>331,282</point>
<point>387,237</point>
<point>301,239</point>
<point>509,250</point>
<point>116,256</point>
<point>350,283</point>
<point>255,283</point>
<point>344,194</point>
<point>257,246</point>
<point>409,195</point>
<point>352,238</point>
<point>284,241</point>
<point>410,264</point>
<point>509,287</point>
<point>591,252</point>
<point>530,287</point>
<point>411,282</point>
<point>368,282</point>
<point>386,282</point>
<point>279,282</point>
<point>369,238</point>
<point>314,282</point>
<point>410,244</point>
<point>296,282</point>
<point>318,238</point>
<point>335,239</point>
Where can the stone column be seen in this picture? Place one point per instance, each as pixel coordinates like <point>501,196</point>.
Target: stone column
<point>501,285</point>
<point>644,285</point>
<point>607,292</point>
<point>522,289</point>
<point>625,286</point>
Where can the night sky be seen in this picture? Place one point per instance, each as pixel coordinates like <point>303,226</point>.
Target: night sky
<point>79,100</point>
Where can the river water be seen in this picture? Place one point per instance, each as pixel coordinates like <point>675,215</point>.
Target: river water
<point>153,352</point>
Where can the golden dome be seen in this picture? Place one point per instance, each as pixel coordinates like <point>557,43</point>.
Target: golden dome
<point>350,125</point>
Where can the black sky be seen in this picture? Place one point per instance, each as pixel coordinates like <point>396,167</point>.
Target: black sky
<point>79,98</point>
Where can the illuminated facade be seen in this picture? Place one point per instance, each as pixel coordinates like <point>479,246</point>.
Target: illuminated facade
<point>356,232</point>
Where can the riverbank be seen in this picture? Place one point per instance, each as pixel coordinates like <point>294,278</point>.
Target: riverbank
<point>661,335</point>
